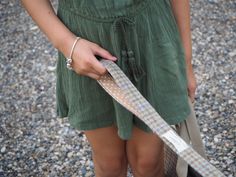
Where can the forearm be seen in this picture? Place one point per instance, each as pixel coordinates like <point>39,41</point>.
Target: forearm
<point>181,10</point>
<point>43,14</point>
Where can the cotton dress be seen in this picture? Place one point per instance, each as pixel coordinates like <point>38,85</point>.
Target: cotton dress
<point>143,35</point>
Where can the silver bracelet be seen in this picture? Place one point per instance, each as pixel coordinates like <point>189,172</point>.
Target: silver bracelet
<point>69,60</point>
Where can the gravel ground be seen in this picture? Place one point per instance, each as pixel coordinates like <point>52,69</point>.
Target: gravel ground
<point>34,142</point>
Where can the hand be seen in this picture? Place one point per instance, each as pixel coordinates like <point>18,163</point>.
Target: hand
<point>85,62</point>
<point>192,83</point>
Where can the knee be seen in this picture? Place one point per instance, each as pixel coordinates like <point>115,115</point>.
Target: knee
<point>110,166</point>
<point>149,166</point>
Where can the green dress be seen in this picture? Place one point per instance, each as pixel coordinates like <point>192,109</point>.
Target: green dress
<point>143,35</point>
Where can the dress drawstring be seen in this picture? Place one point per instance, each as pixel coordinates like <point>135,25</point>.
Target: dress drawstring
<point>128,60</point>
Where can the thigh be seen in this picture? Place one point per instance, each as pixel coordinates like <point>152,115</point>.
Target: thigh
<point>106,144</point>
<point>144,142</point>
<point>145,149</point>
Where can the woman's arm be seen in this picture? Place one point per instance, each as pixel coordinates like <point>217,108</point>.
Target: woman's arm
<point>84,61</point>
<point>181,11</point>
<point>43,14</point>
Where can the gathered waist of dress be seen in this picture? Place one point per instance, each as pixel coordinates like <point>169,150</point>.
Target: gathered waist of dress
<point>104,9</point>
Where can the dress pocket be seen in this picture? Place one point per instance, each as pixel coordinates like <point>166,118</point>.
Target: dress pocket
<point>166,59</point>
<point>166,69</point>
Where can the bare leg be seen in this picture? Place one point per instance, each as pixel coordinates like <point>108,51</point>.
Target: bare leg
<point>145,153</point>
<point>109,152</point>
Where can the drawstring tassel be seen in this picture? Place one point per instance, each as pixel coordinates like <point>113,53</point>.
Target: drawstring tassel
<point>135,70</point>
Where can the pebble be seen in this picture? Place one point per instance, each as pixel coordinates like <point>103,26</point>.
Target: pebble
<point>233,53</point>
<point>89,174</point>
<point>3,149</point>
<point>34,28</point>
<point>34,142</point>
<point>51,68</point>
<point>70,154</point>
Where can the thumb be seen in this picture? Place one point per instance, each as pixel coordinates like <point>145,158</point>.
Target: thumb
<point>97,50</point>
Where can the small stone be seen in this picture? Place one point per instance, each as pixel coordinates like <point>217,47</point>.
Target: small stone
<point>70,154</point>
<point>34,28</point>
<point>232,54</point>
<point>89,174</point>
<point>216,139</point>
<point>229,161</point>
<point>213,1</point>
<point>3,149</point>
<point>51,68</point>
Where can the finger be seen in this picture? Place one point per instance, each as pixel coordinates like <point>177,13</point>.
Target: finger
<point>98,67</point>
<point>97,50</point>
<point>192,96</point>
<point>93,76</point>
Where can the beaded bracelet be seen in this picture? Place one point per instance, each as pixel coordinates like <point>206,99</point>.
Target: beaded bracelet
<point>69,60</point>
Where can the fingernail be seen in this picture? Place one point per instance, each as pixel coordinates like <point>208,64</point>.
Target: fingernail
<point>114,58</point>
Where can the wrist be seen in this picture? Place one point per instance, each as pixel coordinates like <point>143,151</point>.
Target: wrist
<point>65,43</point>
<point>69,59</point>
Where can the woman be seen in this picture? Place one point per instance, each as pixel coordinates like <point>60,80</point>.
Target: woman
<point>151,41</point>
